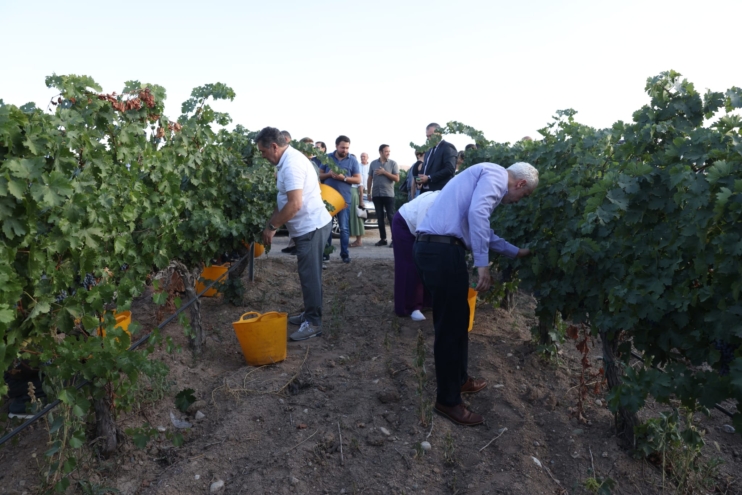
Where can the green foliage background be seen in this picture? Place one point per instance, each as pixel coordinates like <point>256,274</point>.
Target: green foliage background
<point>107,185</point>
<point>636,230</point>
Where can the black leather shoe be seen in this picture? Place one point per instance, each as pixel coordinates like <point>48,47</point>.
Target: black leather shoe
<point>289,250</point>
<point>472,386</point>
<point>381,243</point>
<point>459,414</point>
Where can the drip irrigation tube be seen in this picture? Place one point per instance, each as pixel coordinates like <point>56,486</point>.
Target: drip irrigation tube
<point>717,406</point>
<point>133,346</point>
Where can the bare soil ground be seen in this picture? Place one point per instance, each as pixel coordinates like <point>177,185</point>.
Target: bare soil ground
<point>342,413</point>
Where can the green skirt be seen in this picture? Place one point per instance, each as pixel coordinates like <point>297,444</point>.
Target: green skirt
<point>356,224</point>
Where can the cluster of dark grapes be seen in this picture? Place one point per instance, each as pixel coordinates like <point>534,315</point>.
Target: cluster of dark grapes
<point>727,356</point>
<point>124,267</point>
<point>61,297</point>
<point>89,281</point>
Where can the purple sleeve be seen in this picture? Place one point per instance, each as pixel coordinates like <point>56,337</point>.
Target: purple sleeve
<point>501,246</point>
<point>491,187</point>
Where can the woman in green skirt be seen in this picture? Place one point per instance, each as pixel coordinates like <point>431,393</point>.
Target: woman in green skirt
<point>356,224</point>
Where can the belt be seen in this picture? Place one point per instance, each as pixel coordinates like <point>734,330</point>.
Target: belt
<point>443,239</point>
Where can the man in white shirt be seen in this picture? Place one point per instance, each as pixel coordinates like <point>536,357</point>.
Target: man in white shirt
<point>301,209</point>
<point>364,170</point>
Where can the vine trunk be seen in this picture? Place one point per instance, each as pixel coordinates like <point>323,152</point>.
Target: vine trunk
<point>626,420</point>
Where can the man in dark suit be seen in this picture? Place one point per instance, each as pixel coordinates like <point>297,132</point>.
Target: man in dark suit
<point>439,163</point>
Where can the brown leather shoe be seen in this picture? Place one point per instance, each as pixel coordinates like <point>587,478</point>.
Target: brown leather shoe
<point>459,414</point>
<point>472,386</point>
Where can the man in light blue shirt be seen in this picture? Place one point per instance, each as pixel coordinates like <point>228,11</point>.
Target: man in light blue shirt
<point>459,220</point>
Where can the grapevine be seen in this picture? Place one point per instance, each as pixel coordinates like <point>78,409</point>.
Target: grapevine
<point>94,194</point>
<point>635,232</point>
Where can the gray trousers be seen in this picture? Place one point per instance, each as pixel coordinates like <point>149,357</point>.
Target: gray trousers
<point>309,250</point>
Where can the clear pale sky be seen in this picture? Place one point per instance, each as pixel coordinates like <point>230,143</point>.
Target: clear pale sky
<point>380,71</point>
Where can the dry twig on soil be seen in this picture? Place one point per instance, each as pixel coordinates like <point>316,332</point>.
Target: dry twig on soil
<point>310,436</point>
<point>340,433</point>
<point>548,471</point>
<point>296,375</point>
<point>406,460</point>
<point>502,431</point>
<point>592,461</point>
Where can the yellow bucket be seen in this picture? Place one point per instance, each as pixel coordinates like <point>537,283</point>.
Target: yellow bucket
<point>333,197</point>
<point>262,337</point>
<point>472,306</point>
<point>123,320</point>
<point>259,248</point>
<point>211,273</point>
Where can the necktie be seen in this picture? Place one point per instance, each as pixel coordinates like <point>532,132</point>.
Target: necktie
<point>430,158</point>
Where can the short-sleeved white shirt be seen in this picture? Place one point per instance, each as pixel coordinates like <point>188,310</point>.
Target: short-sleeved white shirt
<point>414,211</point>
<point>295,171</point>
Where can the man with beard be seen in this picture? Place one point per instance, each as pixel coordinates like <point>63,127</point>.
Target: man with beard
<point>350,173</point>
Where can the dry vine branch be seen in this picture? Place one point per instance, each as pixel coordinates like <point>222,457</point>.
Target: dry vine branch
<point>340,433</point>
<point>310,436</point>
<point>297,373</point>
<point>498,436</point>
<point>230,390</point>
<point>406,460</point>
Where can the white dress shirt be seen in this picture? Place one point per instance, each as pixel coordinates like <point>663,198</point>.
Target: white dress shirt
<point>295,171</point>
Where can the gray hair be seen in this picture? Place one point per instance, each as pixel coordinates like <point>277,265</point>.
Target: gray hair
<point>270,135</point>
<point>525,171</point>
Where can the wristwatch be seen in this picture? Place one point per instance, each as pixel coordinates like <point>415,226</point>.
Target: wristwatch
<point>272,227</point>
<point>345,179</point>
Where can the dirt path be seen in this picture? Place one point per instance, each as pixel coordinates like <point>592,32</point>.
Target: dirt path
<point>366,251</point>
<point>278,429</point>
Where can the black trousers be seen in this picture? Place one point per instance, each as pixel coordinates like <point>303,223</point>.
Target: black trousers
<point>384,207</point>
<point>442,268</point>
<point>18,378</point>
